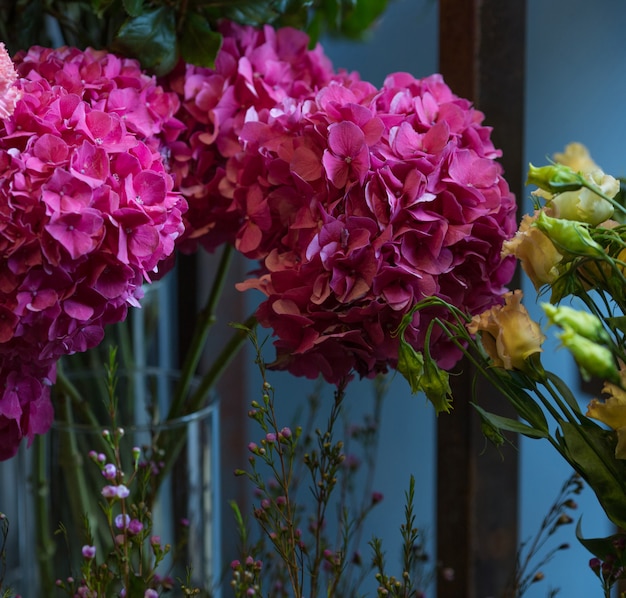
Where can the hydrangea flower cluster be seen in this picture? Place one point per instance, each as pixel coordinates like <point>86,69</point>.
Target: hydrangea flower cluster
<point>255,69</point>
<point>87,212</point>
<point>361,202</point>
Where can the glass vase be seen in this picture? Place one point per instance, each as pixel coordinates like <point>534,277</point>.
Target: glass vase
<point>170,468</point>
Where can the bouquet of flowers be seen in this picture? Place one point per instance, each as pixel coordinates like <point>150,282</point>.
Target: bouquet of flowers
<point>571,247</point>
<point>368,210</point>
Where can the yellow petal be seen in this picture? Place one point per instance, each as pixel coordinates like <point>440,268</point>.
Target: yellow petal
<point>612,412</point>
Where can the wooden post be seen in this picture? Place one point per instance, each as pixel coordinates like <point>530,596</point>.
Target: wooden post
<point>481,56</point>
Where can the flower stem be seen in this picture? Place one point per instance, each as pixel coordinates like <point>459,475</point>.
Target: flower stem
<point>206,319</point>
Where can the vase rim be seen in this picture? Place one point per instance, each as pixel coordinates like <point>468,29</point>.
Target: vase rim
<point>157,425</point>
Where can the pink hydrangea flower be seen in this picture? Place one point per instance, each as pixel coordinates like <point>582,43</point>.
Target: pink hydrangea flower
<point>87,214</point>
<point>254,70</point>
<point>9,93</point>
<point>360,202</point>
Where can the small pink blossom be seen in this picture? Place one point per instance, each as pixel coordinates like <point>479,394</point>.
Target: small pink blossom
<point>109,471</point>
<point>122,521</point>
<point>135,526</point>
<point>89,552</point>
<point>118,491</point>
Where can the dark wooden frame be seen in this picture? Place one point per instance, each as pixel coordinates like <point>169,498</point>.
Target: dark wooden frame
<point>482,57</point>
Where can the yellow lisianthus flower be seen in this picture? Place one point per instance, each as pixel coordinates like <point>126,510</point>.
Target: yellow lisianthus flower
<point>508,334</point>
<point>537,254</point>
<point>612,412</point>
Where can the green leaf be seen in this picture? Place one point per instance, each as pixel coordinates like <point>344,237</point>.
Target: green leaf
<point>565,392</point>
<point>591,451</point>
<point>133,7</point>
<point>199,44</point>
<point>359,16</point>
<point>602,547</point>
<point>510,425</point>
<point>257,13</point>
<point>618,322</point>
<point>526,407</point>
<point>151,38</point>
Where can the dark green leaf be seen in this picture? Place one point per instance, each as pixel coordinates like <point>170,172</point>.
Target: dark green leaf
<point>591,451</point>
<point>256,13</point>
<point>133,7</point>
<point>618,322</point>
<point>199,44</point>
<point>565,392</point>
<point>602,547</point>
<point>510,425</point>
<point>526,407</point>
<point>360,16</point>
<point>151,38</point>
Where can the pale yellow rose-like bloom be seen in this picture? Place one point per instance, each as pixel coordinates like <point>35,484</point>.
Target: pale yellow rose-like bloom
<point>612,412</point>
<point>537,254</point>
<point>577,157</point>
<point>582,205</point>
<point>508,334</point>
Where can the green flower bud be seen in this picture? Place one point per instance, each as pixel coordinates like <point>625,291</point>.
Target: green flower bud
<point>410,364</point>
<point>582,322</point>
<point>592,358</point>
<point>568,236</point>
<point>554,178</point>
<point>436,386</point>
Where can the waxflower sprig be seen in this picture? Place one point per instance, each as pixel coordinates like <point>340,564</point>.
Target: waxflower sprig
<point>412,582</point>
<point>297,552</point>
<point>533,554</point>
<point>121,554</point>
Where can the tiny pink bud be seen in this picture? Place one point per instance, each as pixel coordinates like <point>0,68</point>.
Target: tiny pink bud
<point>135,526</point>
<point>88,551</point>
<point>122,521</point>
<point>109,471</point>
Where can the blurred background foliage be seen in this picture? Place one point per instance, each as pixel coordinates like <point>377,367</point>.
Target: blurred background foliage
<point>160,32</point>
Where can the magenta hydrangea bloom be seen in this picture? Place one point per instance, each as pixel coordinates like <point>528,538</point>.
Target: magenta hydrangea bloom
<point>87,213</point>
<point>255,69</point>
<point>360,202</point>
<point>9,94</point>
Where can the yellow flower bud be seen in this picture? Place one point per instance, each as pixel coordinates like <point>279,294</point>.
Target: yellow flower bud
<point>508,334</point>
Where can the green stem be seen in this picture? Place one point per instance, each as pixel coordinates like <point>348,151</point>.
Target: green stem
<point>206,319</point>
<point>43,538</point>
<point>595,189</point>
<point>225,357</point>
